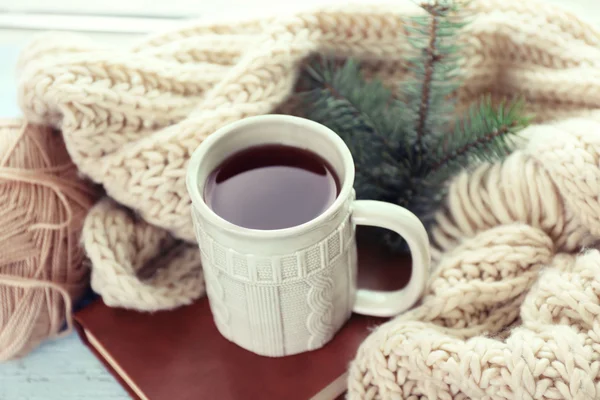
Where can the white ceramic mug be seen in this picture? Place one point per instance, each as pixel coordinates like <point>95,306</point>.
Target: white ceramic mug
<point>286,291</point>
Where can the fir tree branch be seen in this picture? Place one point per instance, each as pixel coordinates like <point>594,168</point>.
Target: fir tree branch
<point>483,135</point>
<point>402,142</point>
<point>367,101</point>
<point>429,93</point>
<point>431,58</point>
<point>357,112</point>
<point>485,139</point>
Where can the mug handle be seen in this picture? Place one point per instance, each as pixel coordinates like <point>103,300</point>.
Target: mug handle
<point>406,224</point>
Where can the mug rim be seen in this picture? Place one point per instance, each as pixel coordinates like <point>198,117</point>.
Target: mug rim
<point>194,187</point>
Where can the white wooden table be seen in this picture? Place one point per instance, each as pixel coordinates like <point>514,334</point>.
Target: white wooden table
<point>65,369</point>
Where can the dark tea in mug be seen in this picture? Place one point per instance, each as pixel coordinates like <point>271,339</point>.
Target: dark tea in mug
<point>271,187</point>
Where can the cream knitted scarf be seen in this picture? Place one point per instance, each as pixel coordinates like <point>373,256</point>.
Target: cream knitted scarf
<point>131,118</point>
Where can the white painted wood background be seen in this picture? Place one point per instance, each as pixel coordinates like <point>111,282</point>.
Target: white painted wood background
<point>65,369</point>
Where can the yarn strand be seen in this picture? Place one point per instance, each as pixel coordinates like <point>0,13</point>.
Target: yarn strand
<point>25,283</point>
<point>49,181</point>
<point>41,264</point>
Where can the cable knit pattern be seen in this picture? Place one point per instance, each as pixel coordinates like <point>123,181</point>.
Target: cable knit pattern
<point>320,301</point>
<point>511,310</point>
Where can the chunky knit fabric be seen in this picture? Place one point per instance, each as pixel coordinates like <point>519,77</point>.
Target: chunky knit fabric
<point>131,118</point>
<point>510,238</point>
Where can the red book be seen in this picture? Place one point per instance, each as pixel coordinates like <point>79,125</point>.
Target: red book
<point>180,355</point>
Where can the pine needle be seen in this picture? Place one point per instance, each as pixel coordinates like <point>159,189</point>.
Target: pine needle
<point>485,135</point>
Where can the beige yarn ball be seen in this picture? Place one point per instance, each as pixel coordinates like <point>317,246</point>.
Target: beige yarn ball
<point>43,203</point>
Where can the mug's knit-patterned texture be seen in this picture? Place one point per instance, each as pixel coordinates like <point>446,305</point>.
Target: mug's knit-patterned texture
<point>132,117</point>
<point>284,304</point>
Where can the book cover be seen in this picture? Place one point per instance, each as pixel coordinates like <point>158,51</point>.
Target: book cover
<point>180,355</point>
